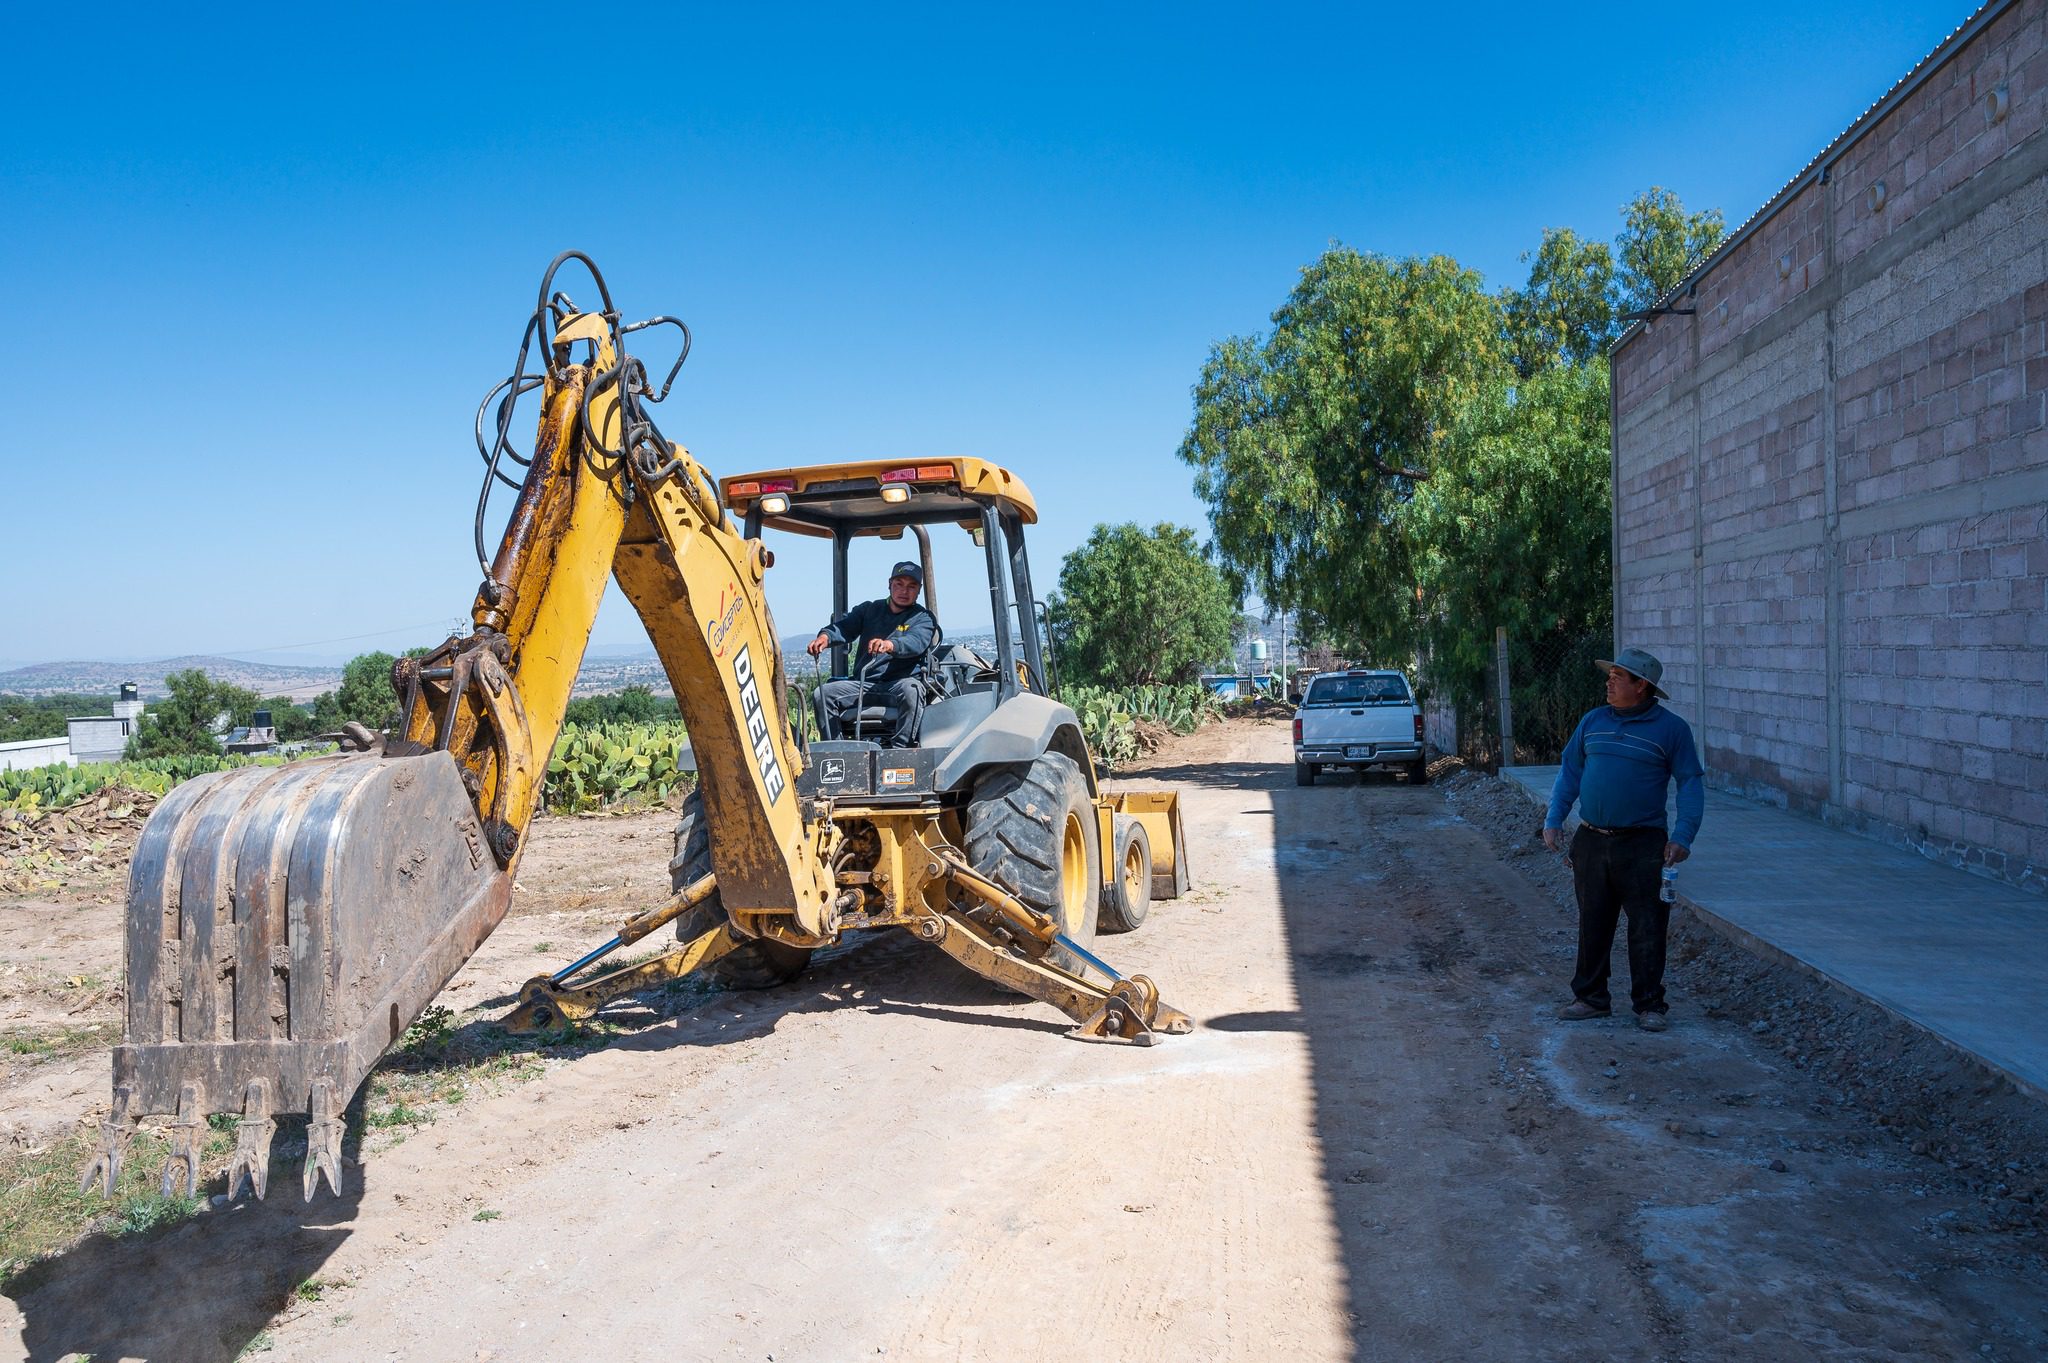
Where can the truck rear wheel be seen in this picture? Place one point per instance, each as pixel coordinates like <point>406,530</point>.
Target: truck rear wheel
<point>1304,773</point>
<point>1418,772</point>
<point>1031,829</point>
<point>1127,898</point>
<point>754,965</point>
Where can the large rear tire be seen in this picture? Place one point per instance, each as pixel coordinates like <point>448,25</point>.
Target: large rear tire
<point>1031,829</point>
<point>1304,773</point>
<point>1127,898</point>
<point>754,965</point>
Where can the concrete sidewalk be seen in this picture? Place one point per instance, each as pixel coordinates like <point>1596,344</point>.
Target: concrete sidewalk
<point>1959,955</point>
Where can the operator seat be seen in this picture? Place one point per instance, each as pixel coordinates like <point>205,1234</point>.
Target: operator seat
<point>932,674</point>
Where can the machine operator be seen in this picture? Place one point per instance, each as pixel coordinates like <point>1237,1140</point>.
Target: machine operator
<point>895,628</point>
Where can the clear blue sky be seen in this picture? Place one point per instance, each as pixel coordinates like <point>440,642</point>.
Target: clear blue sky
<point>260,270</point>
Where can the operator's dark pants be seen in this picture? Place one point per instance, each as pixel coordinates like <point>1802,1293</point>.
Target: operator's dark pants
<point>837,699</point>
<point>1616,873</point>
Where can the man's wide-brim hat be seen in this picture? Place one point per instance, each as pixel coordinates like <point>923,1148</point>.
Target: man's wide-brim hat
<point>909,570</point>
<point>1637,663</point>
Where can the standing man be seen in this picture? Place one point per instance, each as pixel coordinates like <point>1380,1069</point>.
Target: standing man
<point>895,628</point>
<point>1618,765</point>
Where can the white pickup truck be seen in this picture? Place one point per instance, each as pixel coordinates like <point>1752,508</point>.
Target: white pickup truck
<point>1358,719</point>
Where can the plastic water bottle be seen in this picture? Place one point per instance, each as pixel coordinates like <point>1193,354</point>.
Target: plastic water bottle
<point>1668,890</point>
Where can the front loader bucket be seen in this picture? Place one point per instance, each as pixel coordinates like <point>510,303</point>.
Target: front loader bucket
<point>285,925</point>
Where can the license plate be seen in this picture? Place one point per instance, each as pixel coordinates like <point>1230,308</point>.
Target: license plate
<point>1358,752</point>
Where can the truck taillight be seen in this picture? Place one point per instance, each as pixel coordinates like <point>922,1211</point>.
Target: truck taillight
<point>1418,728</point>
<point>1297,728</point>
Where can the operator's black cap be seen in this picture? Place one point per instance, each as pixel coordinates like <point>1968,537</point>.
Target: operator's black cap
<point>909,570</point>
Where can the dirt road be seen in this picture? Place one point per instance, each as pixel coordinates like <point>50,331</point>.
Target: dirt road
<point>1376,1145</point>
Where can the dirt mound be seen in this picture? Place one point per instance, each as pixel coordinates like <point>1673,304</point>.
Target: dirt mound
<point>1150,734</point>
<point>78,847</point>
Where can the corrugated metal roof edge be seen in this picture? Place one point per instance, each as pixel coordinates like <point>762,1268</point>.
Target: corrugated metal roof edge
<point>1943,51</point>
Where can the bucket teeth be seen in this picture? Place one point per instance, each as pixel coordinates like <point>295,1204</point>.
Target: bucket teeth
<point>115,1132</point>
<point>252,1142</point>
<point>181,1170</point>
<point>323,1143</point>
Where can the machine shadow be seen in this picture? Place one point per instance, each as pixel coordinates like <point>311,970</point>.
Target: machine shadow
<point>201,1291</point>
<point>205,1289</point>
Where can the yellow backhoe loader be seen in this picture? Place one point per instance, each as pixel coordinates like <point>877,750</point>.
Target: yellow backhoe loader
<point>286,925</point>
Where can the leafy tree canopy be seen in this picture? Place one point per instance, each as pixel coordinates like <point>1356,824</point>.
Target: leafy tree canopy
<point>1309,445</point>
<point>289,719</point>
<point>26,717</point>
<point>629,705</point>
<point>365,694</point>
<point>1515,532</point>
<point>1659,242</point>
<point>1407,461</point>
<point>1138,606</point>
<point>197,708</point>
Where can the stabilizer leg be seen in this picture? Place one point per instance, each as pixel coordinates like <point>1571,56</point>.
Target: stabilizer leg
<point>545,1004</point>
<point>1010,949</point>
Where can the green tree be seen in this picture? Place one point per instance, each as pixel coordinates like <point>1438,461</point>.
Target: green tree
<point>1139,606</point>
<point>1566,312</point>
<point>628,705</point>
<point>1516,531</point>
<point>187,721</point>
<point>1309,444</point>
<point>327,716</point>
<point>291,722</point>
<point>26,717</point>
<point>365,695</point>
<point>1659,242</point>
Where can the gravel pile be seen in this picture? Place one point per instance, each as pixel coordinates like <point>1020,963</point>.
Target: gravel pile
<point>1940,1103</point>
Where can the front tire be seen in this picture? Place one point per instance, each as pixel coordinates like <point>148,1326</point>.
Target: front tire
<point>1128,896</point>
<point>757,964</point>
<point>1031,829</point>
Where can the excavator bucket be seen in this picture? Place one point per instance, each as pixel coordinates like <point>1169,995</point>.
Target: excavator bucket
<point>285,925</point>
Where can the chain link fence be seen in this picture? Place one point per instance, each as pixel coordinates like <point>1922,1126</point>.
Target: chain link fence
<point>1551,681</point>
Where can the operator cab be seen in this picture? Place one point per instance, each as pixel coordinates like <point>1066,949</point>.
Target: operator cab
<point>885,499</point>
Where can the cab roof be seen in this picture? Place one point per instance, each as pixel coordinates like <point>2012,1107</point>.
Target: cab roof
<point>825,497</point>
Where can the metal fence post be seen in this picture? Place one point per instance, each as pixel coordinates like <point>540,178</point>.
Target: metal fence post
<point>1507,716</point>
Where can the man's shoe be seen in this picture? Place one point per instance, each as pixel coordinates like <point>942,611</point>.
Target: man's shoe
<point>1652,1022</point>
<point>1579,1012</point>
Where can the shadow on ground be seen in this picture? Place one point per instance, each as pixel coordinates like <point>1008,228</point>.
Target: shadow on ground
<point>206,1289</point>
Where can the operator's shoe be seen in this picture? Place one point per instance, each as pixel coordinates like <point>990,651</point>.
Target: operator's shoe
<point>1579,1012</point>
<point>1652,1022</point>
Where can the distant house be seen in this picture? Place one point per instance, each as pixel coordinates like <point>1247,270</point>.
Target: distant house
<point>104,738</point>
<point>258,736</point>
<point>87,738</point>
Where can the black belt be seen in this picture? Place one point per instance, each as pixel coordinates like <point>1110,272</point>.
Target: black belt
<point>1619,832</point>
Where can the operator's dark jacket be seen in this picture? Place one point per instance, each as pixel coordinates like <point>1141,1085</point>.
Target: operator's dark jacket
<point>912,630</point>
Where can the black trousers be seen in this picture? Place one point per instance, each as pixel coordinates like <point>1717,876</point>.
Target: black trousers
<point>1617,873</point>
<point>836,701</point>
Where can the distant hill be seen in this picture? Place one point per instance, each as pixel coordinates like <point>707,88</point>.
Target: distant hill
<point>301,683</point>
<point>98,678</point>
<point>601,675</point>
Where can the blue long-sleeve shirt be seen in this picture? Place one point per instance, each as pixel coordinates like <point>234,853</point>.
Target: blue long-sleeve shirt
<point>1616,766</point>
<point>913,630</point>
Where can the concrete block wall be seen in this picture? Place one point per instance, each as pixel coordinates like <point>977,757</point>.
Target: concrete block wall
<point>30,753</point>
<point>1830,480</point>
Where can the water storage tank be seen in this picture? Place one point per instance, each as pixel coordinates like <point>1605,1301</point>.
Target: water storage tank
<point>1258,650</point>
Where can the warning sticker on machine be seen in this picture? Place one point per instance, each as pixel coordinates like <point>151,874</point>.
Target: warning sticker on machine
<point>898,776</point>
